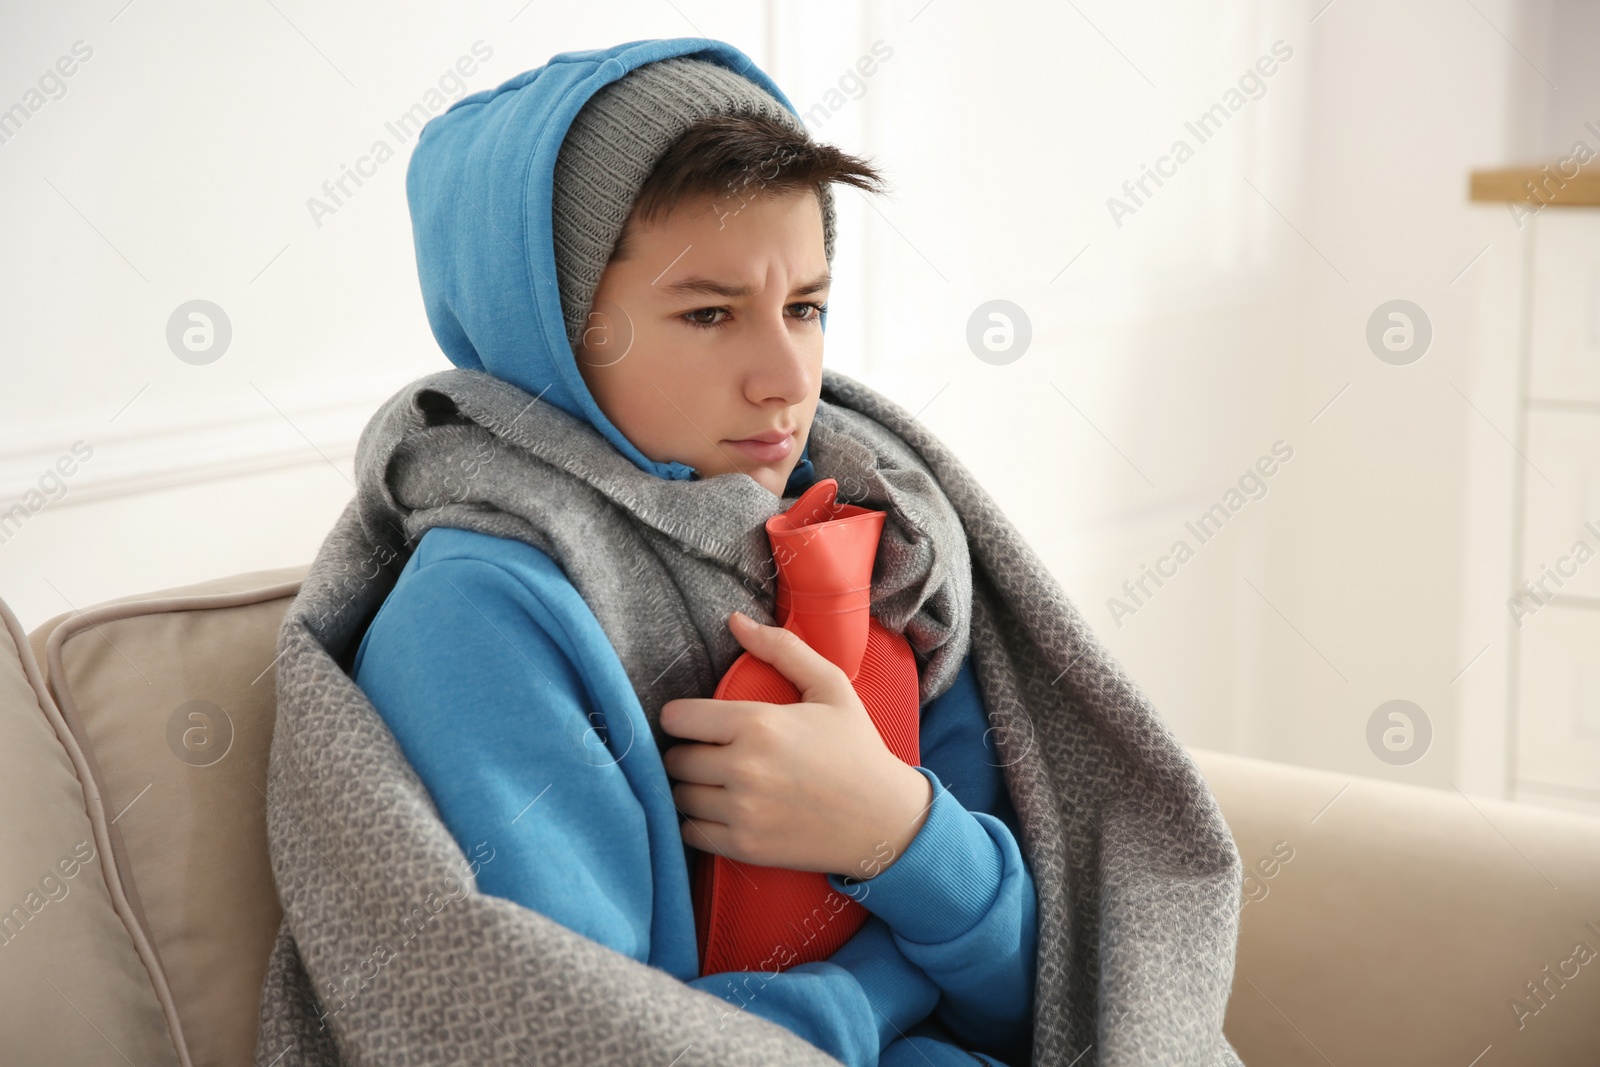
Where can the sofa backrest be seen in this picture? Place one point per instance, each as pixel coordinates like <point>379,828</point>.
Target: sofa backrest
<point>170,697</point>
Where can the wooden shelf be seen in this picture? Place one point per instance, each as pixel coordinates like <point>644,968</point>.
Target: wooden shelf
<point>1497,186</point>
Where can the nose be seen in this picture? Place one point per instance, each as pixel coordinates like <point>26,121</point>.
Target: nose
<point>781,358</point>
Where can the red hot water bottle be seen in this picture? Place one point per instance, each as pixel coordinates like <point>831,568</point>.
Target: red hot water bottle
<point>749,917</point>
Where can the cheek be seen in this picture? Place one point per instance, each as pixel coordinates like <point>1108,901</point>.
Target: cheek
<point>817,345</point>
<point>631,396</point>
<point>659,393</point>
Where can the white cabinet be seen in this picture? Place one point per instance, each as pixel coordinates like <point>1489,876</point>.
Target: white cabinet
<point>1558,699</point>
<point>1553,728</point>
<point>1561,523</point>
<point>1565,317</point>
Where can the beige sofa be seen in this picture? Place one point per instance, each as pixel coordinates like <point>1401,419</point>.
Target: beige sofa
<point>1382,923</point>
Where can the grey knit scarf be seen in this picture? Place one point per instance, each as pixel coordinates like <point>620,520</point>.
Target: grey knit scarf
<point>1136,873</point>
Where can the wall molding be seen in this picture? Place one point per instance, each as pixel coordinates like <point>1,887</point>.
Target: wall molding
<point>247,434</point>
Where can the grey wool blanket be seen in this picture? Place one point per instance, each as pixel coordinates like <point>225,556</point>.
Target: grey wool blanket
<point>1136,874</point>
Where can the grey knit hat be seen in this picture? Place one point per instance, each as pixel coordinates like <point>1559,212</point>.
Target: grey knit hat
<point>614,143</point>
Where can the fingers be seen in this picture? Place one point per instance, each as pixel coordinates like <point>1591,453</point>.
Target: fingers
<point>703,803</point>
<point>702,764</point>
<point>707,837</point>
<point>720,839</point>
<point>702,719</point>
<point>813,674</point>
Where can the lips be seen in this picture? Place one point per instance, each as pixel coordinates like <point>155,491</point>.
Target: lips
<point>770,446</point>
<point>770,437</point>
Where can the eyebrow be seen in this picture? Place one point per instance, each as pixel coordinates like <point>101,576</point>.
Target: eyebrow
<point>709,287</point>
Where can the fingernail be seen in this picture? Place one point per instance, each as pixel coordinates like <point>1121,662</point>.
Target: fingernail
<point>743,620</point>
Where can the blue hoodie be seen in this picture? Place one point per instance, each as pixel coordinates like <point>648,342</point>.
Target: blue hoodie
<point>506,696</point>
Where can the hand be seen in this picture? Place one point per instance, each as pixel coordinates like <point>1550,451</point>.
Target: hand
<point>810,786</point>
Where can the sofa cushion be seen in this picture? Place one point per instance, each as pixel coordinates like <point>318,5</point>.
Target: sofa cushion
<point>171,695</point>
<point>76,981</point>
<point>1393,923</point>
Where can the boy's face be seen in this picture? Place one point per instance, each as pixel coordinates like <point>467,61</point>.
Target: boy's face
<point>707,334</point>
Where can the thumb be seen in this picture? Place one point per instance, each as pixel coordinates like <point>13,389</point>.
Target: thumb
<point>818,678</point>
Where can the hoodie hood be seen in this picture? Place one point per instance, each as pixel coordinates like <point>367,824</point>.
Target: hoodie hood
<point>480,189</point>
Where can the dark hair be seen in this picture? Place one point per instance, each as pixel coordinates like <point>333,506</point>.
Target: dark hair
<point>739,156</point>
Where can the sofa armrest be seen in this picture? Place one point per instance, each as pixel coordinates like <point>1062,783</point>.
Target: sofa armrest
<point>1390,923</point>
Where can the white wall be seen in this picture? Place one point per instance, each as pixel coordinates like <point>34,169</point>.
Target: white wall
<point>178,165</point>
<point>1222,316</point>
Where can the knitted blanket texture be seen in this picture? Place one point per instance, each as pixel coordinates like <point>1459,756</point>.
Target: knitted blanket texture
<point>388,954</point>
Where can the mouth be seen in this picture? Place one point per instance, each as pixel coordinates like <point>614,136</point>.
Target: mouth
<point>770,447</point>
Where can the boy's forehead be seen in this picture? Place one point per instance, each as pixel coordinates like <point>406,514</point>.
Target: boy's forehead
<point>706,214</point>
<point>707,244</point>
<point>699,285</point>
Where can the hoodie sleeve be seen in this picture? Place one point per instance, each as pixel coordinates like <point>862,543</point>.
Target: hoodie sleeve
<point>474,676</point>
<point>960,899</point>
<point>851,1005</point>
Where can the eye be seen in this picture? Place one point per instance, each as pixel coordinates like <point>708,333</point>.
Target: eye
<point>815,307</point>
<point>698,317</point>
<point>691,319</point>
